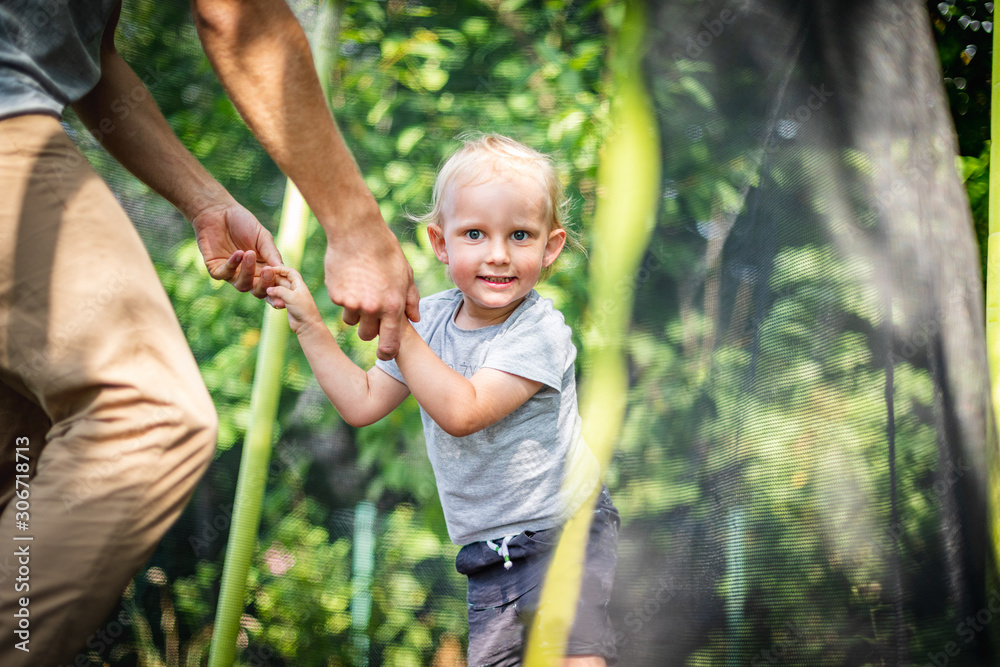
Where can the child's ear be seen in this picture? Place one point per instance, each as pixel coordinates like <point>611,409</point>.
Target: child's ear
<point>436,235</point>
<point>554,246</point>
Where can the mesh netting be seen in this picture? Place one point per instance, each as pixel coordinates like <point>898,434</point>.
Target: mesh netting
<point>820,286</point>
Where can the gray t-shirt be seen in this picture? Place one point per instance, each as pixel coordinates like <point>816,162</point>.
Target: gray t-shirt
<point>508,477</point>
<point>49,53</point>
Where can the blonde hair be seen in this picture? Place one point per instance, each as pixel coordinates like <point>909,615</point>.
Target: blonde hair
<point>482,156</point>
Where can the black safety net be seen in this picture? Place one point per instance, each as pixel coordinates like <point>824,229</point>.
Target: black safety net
<point>825,406</point>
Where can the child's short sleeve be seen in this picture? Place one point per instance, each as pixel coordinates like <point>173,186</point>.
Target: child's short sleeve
<point>391,368</point>
<point>537,346</point>
<point>435,311</point>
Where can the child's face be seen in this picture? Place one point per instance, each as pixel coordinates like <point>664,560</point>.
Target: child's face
<point>496,241</point>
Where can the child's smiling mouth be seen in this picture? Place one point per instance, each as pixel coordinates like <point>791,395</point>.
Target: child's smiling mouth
<point>498,280</point>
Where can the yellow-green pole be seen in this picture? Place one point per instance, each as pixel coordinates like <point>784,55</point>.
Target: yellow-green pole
<point>256,456</point>
<point>629,181</point>
<point>993,289</point>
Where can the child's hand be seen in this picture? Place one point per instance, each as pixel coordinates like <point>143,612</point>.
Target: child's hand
<point>290,292</point>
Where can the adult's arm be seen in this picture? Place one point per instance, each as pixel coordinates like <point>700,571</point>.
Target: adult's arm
<point>262,58</point>
<point>124,117</point>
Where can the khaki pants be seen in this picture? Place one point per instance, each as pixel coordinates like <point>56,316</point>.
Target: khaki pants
<point>105,423</point>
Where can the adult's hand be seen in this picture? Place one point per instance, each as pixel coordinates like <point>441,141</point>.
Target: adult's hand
<point>368,275</point>
<point>234,244</point>
<point>236,247</point>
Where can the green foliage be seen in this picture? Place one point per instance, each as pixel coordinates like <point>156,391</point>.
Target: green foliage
<point>964,45</point>
<point>975,172</point>
<point>409,79</point>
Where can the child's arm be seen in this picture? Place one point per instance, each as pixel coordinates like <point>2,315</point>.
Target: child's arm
<point>361,398</point>
<point>459,405</point>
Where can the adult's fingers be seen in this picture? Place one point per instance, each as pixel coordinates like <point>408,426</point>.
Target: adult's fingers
<point>244,279</point>
<point>227,270</point>
<point>267,278</point>
<point>388,338</point>
<point>413,304</point>
<point>267,250</point>
<point>351,317</point>
<point>368,327</point>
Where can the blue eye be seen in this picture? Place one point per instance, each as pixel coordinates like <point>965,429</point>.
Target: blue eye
<point>520,235</point>
<point>474,234</point>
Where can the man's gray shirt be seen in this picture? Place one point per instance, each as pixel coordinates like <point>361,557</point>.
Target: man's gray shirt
<point>508,477</point>
<point>49,53</point>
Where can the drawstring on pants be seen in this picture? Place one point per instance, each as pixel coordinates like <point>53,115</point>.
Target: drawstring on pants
<point>502,550</point>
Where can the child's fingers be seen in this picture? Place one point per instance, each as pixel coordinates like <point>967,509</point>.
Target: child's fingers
<point>284,281</point>
<point>288,277</point>
<point>279,295</point>
<point>287,272</point>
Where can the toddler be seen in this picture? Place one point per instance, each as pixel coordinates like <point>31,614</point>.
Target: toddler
<point>491,366</point>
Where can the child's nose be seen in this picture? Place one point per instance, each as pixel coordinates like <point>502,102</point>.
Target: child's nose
<point>498,253</point>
